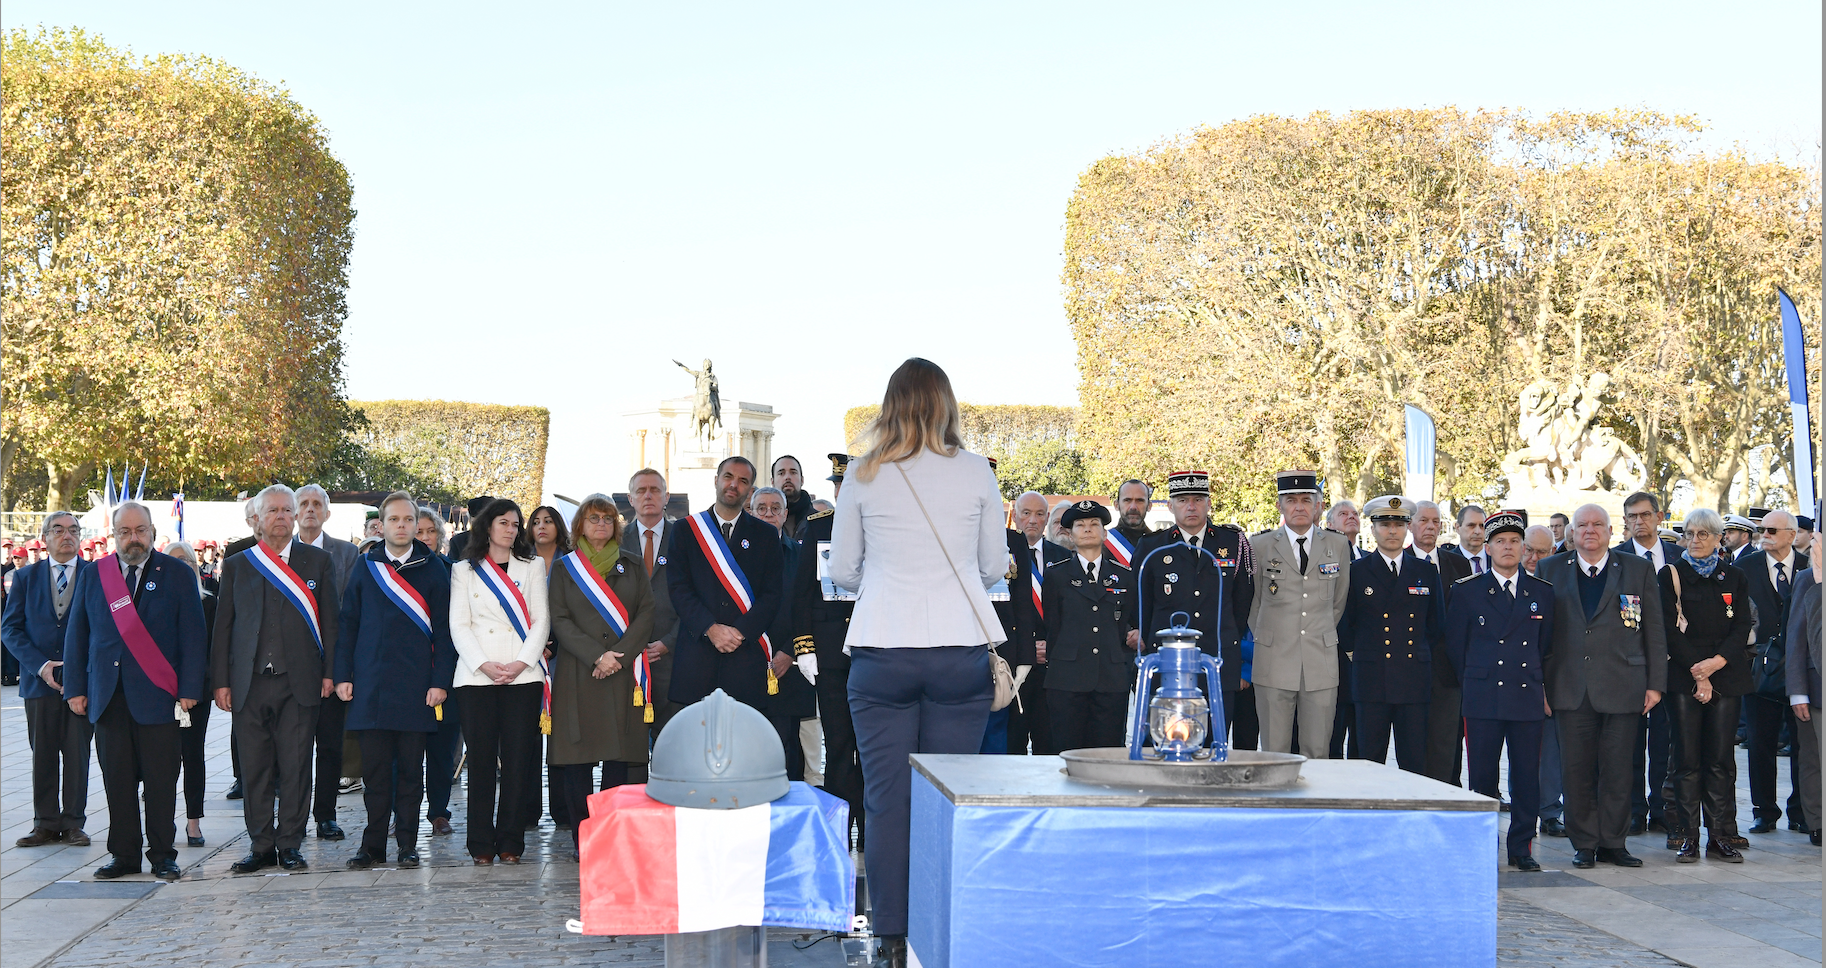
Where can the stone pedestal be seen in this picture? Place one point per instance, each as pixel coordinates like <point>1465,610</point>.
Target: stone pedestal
<point>665,439</point>
<point>1540,503</point>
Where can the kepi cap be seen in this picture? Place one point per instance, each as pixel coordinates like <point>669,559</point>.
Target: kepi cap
<point>1390,507</point>
<point>1511,521</point>
<point>1188,482</point>
<point>1296,482</point>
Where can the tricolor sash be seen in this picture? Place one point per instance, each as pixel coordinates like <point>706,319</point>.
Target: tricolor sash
<point>1035,572</point>
<point>274,569</point>
<point>508,594</point>
<point>643,685</point>
<point>597,591</point>
<point>722,561</point>
<point>132,630</point>
<point>402,594</point>
<point>1121,551</point>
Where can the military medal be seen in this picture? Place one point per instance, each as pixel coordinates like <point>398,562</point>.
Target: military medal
<point>1728,612</point>
<point>1273,588</point>
<point>1632,610</point>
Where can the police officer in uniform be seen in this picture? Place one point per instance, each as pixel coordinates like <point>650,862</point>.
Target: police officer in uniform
<point>1499,631</point>
<point>1391,626</point>
<point>1201,569</point>
<point>1087,624</point>
<point>818,632</point>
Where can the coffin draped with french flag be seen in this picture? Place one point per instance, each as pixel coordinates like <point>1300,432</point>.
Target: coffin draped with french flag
<point>652,868</point>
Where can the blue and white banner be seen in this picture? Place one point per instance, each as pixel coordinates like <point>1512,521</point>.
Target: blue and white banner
<point>1794,355</point>
<point>1418,484</point>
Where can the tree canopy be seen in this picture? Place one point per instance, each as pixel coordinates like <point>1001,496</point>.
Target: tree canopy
<point>1269,293</point>
<point>449,451</point>
<point>1035,445</point>
<point>176,239</point>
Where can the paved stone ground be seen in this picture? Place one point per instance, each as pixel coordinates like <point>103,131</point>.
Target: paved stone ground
<point>450,914</point>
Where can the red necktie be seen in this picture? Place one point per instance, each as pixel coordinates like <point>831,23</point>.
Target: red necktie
<point>647,554</point>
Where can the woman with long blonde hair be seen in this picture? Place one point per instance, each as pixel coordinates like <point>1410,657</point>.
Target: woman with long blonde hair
<point>919,535</point>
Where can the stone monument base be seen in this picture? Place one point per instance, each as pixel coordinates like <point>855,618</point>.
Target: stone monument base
<point>1542,503</point>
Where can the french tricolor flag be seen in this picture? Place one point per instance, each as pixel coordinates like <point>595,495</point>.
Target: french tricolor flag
<point>652,868</point>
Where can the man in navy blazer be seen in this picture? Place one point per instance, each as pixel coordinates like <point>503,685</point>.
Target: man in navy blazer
<point>37,611</point>
<point>136,723</point>
<point>1642,519</point>
<point>719,646</point>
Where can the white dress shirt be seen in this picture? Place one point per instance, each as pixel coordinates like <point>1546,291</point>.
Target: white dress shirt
<point>1586,566</point>
<point>1653,553</point>
<point>1387,562</point>
<point>1787,567</point>
<point>658,531</point>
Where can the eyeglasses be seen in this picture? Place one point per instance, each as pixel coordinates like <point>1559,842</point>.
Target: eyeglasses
<point>1700,533</point>
<point>140,532</point>
<point>1774,530</point>
<point>598,519</point>
<point>64,529</point>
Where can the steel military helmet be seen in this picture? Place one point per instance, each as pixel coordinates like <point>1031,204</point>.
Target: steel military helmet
<point>719,754</point>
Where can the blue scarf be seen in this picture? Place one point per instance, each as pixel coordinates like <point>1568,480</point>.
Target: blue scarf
<point>1704,566</point>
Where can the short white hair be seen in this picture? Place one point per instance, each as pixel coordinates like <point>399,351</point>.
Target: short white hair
<point>1704,519</point>
<point>291,497</point>
<point>1591,507</point>
<point>1420,506</point>
<point>250,512</point>
<point>1332,512</point>
<point>1543,529</point>
<point>316,489</point>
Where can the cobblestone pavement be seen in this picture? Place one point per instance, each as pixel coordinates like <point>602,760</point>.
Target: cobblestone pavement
<point>1761,914</point>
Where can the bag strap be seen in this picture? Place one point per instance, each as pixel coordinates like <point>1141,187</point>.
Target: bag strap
<point>1680,615</point>
<point>942,550</point>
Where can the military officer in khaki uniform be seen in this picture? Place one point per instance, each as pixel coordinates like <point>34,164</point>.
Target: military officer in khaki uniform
<point>1302,582</point>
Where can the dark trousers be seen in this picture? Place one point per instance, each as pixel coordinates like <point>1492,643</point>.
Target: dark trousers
<point>1484,739</point>
<point>576,781</point>
<point>1551,805</point>
<point>1704,762</point>
<point>441,759</point>
<point>842,770</point>
<point>386,754</point>
<point>532,794</point>
<point>1245,722</point>
<point>1651,753</point>
<point>331,713</point>
<point>786,726</point>
<point>234,749</point>
<point>131,755</point>
<point>60,763</point>
<point>906,701</point>
<point>1407,721</point>
<point>1346,734</point>
<point>1028,720</point>
<point>196,768</point>
<point>1083,720</point>
<point>1445,733</point>
<point>275,734</point>
<point>1595,753</point>
<point>995,733</point>
<point>497,722</point>
<point>1767,717</point>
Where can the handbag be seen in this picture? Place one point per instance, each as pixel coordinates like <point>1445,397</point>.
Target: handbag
<point>1000,676</point>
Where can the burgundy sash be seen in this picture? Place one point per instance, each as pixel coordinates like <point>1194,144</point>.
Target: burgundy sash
<point>133,631</point>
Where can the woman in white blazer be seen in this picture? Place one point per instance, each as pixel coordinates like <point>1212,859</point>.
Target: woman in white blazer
<point>919,637</point>
<point>499,684</point>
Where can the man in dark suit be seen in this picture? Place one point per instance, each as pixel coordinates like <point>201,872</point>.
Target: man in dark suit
<point>1607,668</point>
<point>37,614</point>
<point>1029,722</point>
<point>1180,569</point>
<point>130,667</point>
<point>1772,571</point>
<point>719,643</point>
<point>338,753</point>
<point>459,540</point>
<point>1642,519</point>
<point>648,533</point>
<point>272,661</point>
<point>1804,690</point>
<point>818,633</point>
<point>1391,629</point>
<point>1498,632</point>
<point>1445,718</point>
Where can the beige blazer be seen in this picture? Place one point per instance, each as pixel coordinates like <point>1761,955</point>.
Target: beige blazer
<point>1294,616</point>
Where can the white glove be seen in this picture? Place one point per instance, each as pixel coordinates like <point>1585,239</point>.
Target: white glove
<point>1020,675</point>
<point>808,667</point>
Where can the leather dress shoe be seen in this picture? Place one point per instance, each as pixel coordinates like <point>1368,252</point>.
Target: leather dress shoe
<point>1724,852</point>
<point>76,838</point>
<point>1812,838</point>
<point>1797,824</point>
<point>327,830</point>
<point>510,858</point>
<point>1675,838</point>
<point>167,870</point>
<point>254,862</point>
<point>291,859</point>
<point>235,792</point>
<point>1638,826</point>
<point>484,860</point>
<point>1584,859</point>
<point>408,860</point>
<point>1736,840</point>
<point>1689,851</point>
<point>1619,856</point>
<point>1502,806</point>
<point>1524,863</point>
<point>364,860</point>
<point>40,837</point>
<point>1763,826</point>
<point>1553,827</point>
<point>117,867</point>
<point>441,826</point>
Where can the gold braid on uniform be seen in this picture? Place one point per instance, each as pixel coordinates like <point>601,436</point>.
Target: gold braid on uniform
<point>803,646</point>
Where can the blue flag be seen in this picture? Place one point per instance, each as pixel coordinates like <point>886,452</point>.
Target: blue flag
<point>107,488</point>
<point>1794,355</point>
<point>1420,454</point>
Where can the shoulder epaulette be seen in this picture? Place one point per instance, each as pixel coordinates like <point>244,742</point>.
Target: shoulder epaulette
<point>1466,579</point>
<point>821,514</point>
<point>1541,580</point>
<point>1231,527</point>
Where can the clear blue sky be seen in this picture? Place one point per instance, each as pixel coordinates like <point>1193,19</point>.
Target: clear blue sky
<point>556,199</point>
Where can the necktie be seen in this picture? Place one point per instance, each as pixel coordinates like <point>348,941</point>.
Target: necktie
<point>1090,573</point>
<point>1477,564</point>
<point>1193,541</point>
<point>133,582</point>
<point>1303,558</point>
<point>1781,579</point>
<point>63,579</point>
<point>1393,570</point>
<point>728,529</point>
<point>1507,590</point>
<point>1594,571</point>
<point>646,554</point>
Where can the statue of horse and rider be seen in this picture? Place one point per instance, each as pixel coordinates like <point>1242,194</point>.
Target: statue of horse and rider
<point>707,408</point>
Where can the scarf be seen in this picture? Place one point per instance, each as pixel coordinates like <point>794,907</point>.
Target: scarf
<point>1704,566</point>
<point>603,558</point>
